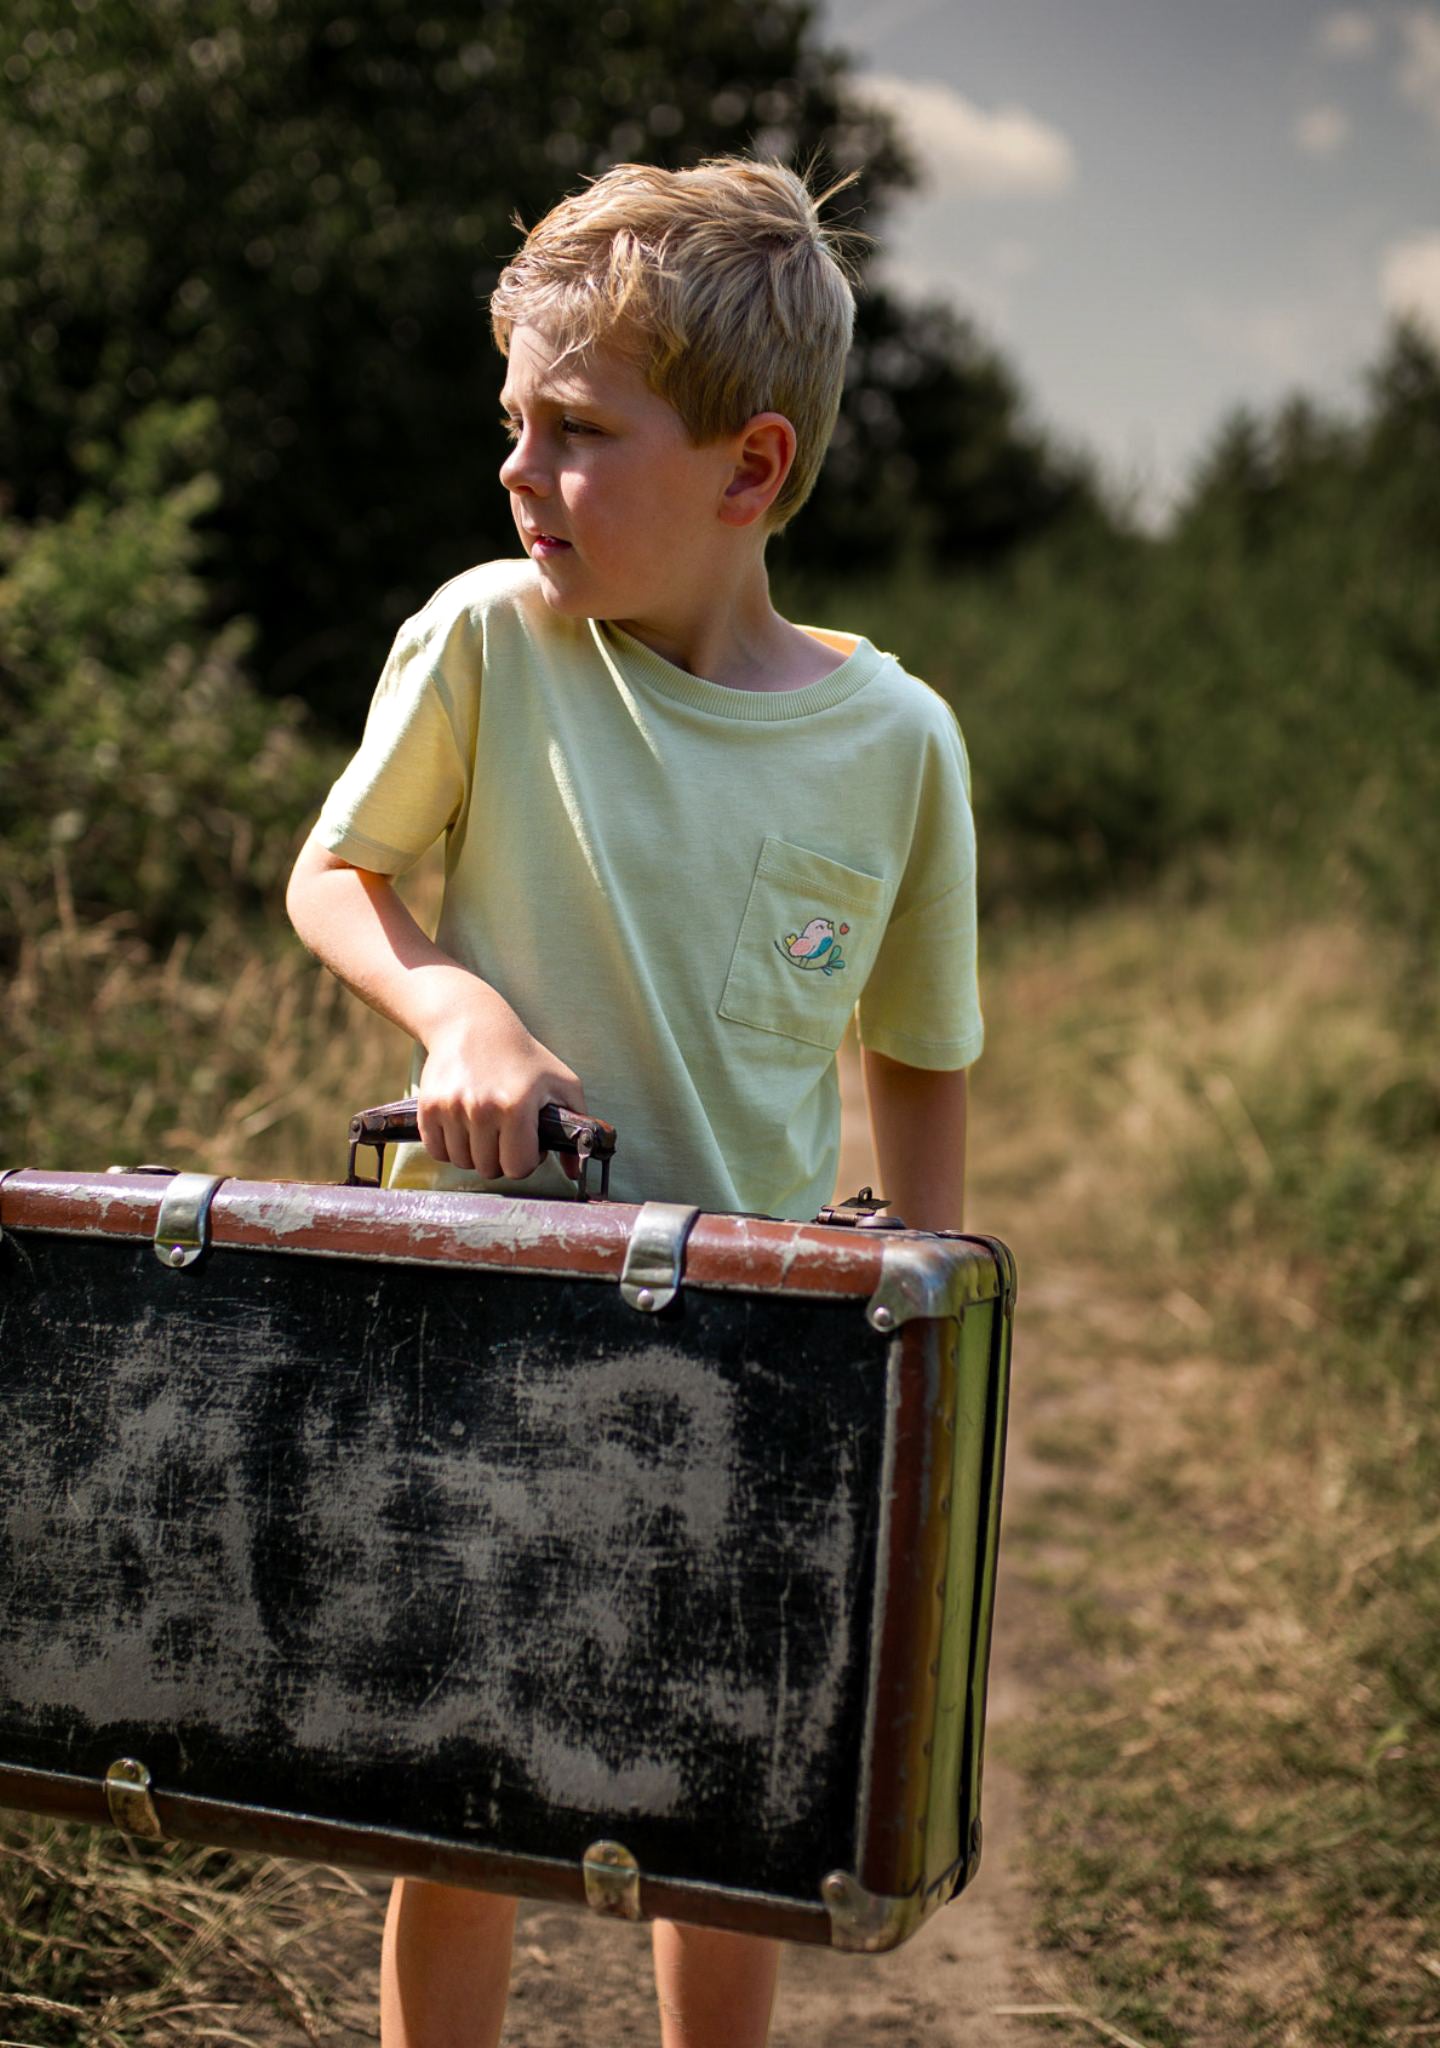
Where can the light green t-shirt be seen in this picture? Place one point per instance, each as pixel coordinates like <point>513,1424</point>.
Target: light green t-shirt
<point>683,889</point>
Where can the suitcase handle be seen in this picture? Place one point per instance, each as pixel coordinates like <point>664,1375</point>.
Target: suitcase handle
<point>560,1130</point>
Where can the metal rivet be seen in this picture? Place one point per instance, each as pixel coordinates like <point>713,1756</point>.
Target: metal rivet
<point>945,1505</point>
<point>940,1590</point>
<point>934,1667</point>
<point>645,1298</point>
<point>834,1888</point>
<point>177,1254</point>
<point>883,1318</point>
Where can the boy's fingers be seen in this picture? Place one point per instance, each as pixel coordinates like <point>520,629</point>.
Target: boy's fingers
<point>457,1140</point>
<point>455,1137</point>
<point>432,1131</point>
<point>482,1137</point>
<point>519,1146</point>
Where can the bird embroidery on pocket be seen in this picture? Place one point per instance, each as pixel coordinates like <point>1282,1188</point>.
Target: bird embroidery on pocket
<point>815,947</point>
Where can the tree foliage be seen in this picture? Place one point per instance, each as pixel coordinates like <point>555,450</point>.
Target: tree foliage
<point>294,209</point>
<point>141,776</point>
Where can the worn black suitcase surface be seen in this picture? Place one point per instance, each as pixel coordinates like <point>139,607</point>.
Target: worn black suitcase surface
<point>578,1550</point>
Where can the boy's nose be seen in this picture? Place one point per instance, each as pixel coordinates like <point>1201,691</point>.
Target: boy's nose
<point>520,471</point>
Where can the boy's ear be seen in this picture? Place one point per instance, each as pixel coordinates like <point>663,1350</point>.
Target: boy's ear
<point>764,451</point>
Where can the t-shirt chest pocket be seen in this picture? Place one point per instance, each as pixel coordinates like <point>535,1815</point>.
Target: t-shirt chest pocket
<point>810,933</point>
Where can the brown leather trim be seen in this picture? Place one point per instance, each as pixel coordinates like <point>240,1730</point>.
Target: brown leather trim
<point>733,1252</point>
<point>909,1608</point>
<point>83,1204</point>
<point>263,1831</point>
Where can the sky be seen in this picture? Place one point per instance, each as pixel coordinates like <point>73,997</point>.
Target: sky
<point>1162,209</point>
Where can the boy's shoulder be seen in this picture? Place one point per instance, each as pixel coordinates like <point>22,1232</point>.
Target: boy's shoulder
<point>482,593</point>
<point>895,694</point>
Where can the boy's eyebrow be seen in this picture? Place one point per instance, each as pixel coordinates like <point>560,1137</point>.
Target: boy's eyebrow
<point>558,393</point>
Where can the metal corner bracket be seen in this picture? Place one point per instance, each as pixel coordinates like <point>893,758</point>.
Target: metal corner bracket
<point>612,1881</point>
<point>127,1794</point>
<point>866,1923</point>
<point>182,1227</point>
<point>921,1277</point>
<point>655,1256</point>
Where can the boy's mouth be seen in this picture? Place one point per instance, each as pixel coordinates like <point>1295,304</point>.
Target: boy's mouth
<point>548,544</point>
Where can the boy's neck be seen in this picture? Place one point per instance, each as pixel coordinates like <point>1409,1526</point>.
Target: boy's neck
<point>742,643</point>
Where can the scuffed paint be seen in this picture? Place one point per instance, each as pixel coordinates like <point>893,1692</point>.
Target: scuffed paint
<point>628,1465</point>
<point>459,1538</point>
<point>413,1221</point>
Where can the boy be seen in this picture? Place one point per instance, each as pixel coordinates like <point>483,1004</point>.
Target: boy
<point>683,836</point>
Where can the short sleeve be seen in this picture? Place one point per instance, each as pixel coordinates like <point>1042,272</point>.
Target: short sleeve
<point>921,1003</point>
<point>410,779</point>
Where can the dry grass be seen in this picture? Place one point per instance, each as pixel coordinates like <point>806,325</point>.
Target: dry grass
<point>109,1944</point>
<point>1237,1777</point>
<point>236,1052</point>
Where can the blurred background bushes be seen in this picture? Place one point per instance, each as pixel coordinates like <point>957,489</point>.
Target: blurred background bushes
<point>141,776</point>
<point>1263,677</point>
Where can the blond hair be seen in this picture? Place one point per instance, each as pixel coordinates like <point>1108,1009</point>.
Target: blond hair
<point>720,280</point>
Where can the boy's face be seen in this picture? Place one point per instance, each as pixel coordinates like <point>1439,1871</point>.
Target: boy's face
<point>614,503</point>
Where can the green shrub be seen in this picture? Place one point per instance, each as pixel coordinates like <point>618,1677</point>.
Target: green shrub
<point>139,771</point>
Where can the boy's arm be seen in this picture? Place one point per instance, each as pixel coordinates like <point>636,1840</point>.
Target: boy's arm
<point>917,1120</point>
<point>485,1079</point>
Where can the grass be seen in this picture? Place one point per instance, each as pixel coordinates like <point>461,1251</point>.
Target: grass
<point>108,1943</point>
<point>233,1050</point>
<point>1236,1776</point>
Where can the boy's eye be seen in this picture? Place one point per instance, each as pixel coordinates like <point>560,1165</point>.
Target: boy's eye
<point>512,428</point>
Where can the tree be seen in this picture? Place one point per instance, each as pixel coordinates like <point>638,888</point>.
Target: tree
<point>296,210</point>
<point>1402,445</point>
<point>933,456</point>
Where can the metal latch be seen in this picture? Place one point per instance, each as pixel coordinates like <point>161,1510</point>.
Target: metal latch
<point>182,1228</point>
<point>860,1212</point>
<point>612,1881</point>
<point>127,1794</point>
<point>655,1256</point>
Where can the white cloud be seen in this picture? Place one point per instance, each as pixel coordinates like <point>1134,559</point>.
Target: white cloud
<point>965,151</point>
<point>1410,280</point>
<point>1348,32</point>
<point>1419,74</point>
<point>1321,131</point>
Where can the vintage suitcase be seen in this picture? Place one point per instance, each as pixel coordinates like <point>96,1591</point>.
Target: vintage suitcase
<point>617,1554</point>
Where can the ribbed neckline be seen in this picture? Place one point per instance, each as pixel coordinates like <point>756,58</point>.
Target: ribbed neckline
<point>638,663</point>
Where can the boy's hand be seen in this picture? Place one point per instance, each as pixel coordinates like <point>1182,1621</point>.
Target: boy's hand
<point>483,1086</point>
